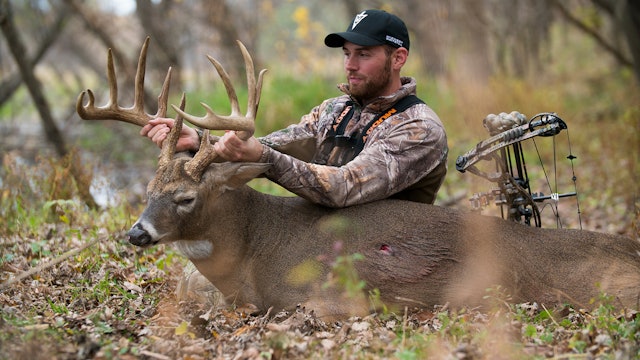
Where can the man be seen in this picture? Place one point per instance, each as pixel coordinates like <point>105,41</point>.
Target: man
<point>374,142</point>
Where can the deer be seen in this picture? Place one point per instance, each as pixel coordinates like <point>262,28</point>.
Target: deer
<point>277,252</point>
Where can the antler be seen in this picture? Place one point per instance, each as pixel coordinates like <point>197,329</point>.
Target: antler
<point>112,111</point>
<point>136,115</point>
<point>234,121</point>
<point>169,144</point>
<point>243,124</point>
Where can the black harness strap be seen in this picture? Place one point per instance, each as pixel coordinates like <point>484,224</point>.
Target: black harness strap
<point>340,125</point>
<point>343,148</point>
<point>400,106</point>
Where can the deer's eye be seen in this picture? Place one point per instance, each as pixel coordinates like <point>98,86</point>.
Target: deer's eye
<point>184,200</point>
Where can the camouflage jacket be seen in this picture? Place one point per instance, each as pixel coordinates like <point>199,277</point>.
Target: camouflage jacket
<point>404,156</point>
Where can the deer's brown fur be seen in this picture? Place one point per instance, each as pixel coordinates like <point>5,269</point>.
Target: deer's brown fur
<point>250,246</point>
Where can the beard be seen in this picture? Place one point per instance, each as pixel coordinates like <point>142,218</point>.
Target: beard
<point>372,87</point>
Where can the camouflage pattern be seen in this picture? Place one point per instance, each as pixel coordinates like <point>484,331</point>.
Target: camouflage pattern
<point>405,156</point>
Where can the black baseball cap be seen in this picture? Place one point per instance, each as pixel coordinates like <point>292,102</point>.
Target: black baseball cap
<point>370,28</point>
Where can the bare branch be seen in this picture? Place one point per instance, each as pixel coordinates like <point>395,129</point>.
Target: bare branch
<point>594,34</point>
<point>34,87</point>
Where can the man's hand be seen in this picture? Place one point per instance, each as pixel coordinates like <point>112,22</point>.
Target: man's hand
<point>232,148</point>
<point>158,129</point>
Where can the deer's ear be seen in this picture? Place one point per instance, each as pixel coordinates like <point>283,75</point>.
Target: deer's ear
<point>236,174</point>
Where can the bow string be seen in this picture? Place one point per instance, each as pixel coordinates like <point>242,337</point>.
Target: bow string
<point>504,148</point>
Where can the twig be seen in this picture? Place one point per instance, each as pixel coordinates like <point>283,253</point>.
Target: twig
<point>550,315</point>
<point>572,356</point>
<point>621,58</point>
<point>411,300</point>
<point>49,264</point>
<point>404,327</point>
<point>154,355</point>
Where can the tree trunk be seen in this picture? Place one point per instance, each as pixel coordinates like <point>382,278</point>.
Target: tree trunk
<point>12,82</point>
<point>219,15</point>
<point>630,13</point>
<point>599,39</point>
<point>167,39</point>
<point>52,133</point>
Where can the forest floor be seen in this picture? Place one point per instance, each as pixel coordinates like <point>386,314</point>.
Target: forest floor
<point>82,292</point>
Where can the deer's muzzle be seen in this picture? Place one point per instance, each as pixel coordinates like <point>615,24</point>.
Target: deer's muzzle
<point>139,236</point>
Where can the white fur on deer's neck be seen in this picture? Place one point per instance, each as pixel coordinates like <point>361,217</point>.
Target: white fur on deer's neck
<point>195,249</point>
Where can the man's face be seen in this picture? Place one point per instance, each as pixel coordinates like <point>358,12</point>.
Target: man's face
<point>368,70</point>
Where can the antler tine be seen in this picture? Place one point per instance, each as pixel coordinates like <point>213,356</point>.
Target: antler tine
<point>112,111</point>
<point>169,145</point>
<point>138,89</point>
<point>163,97</point>
<point>254,89</point>
<point>202,159</point>
<point>111,79</point>
<point>231,91</point>
<point>234,121</point>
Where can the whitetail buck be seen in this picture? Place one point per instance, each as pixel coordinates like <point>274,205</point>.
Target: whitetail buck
<point>274,251</point>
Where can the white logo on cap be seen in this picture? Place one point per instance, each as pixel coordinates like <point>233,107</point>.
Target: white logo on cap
<point>358,18</point>
<point>394,40</point>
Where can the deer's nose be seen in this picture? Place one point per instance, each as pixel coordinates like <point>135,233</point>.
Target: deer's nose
<point>139,236</point>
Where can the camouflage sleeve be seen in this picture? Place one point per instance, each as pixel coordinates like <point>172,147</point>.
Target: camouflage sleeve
<point>399,153</point>
<point>297,140</point>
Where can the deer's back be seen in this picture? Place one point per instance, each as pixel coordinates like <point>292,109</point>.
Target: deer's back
<point>430,255</point>
<point>423,255</point>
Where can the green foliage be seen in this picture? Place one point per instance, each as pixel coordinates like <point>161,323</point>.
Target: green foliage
<point>35,195</point>
<point>269,187</point>
<point>602,329</point>
<point>498,331</point>
<point>345,275</point>
<point>284,99</point>
<point>57,308</point>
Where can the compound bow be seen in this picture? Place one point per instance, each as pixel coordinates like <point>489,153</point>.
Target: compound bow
<point>513,194</point>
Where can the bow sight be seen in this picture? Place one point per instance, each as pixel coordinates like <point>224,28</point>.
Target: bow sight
<point>513,195</point>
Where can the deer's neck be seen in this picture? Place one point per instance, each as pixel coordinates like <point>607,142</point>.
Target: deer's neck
<point>275,217</point>
<point>249,225</point>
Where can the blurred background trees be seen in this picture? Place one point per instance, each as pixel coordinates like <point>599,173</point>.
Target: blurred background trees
<point>577,57</point>
<point>478,38</point>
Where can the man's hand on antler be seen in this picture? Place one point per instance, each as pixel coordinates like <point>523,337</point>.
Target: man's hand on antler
<point>158,129</point>
<point>230,147</point>
<point>233,148</point>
